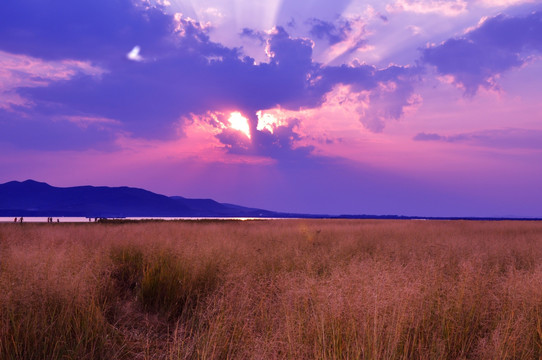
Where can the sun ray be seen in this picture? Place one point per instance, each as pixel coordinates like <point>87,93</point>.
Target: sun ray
<point>257,14</point>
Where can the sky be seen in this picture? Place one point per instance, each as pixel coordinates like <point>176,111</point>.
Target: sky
<point>404,107</point>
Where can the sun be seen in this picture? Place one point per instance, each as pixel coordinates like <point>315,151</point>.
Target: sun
<point>239,122</point>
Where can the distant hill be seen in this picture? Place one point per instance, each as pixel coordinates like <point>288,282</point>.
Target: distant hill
<point>32,198</point>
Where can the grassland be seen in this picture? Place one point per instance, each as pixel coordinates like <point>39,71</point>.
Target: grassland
<point>333,289</point>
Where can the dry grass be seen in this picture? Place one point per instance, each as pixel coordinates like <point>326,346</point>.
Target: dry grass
<point>293,289</point>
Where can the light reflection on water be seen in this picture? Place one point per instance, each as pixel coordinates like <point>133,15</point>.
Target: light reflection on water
<point>39,219</point>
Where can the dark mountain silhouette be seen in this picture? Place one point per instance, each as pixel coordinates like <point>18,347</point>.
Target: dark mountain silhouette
<point>32,198</point>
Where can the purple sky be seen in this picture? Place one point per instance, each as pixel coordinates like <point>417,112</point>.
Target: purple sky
<point>408,107</point>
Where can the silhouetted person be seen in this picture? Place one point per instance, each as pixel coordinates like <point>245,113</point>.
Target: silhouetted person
<point>15,220</point>
<point>21,220</point>
<point>57,220</point>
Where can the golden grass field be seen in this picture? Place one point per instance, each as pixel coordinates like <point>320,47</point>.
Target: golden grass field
<point>282,289</point>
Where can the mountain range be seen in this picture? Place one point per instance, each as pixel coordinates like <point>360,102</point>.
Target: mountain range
<point>37,199</point>
<point>33,198</point>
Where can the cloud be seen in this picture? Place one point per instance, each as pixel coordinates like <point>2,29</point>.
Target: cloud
<point>134,54</point>
<point>326,30</point>
<point>344,37</point>
<point>388,92</point>
<point>509,138</point>
<point>428,137</point>
<point>186,73</point>
<point>25,71</point>
<point>254,34</point>
<point>440,7</point>
<point>149,97</point>
<point>281,144</point>
<point>389,102</point>
<point>479,57</point>
<point>97,30</point>
<point>501,3</point>
<point>415,30</point>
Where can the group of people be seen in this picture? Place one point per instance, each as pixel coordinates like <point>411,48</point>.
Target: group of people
<point>49,220</point>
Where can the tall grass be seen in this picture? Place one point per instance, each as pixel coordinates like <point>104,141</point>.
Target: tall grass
<point>293,289</point>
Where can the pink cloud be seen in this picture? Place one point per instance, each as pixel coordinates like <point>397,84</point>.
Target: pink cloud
<point>344,118</point>
<point>26,71</point>
<point>502,3</point>
<point>440,7</point>
<point>196,140</point>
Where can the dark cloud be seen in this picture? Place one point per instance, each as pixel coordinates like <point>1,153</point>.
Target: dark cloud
<point>291,23</point>
<point>196,76</point>
<point>183,72</point>
<point>497,45</point>
<point>326,30</point>
<point>253,34</point>
<point>392,89</point>
<point>280,145</point>
<point>494,138</point>
<point>427,137</point>
<point>290,52</point>
<point>335,33</point>
<point>192,40</point>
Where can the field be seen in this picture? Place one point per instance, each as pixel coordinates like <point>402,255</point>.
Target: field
<point>284,289</point>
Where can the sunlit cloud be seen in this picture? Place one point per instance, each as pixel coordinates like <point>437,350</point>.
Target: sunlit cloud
<point>354,39</point>
<point>196,140</point>
<point>134,54</point>
<point>336,122</point>
<point>268,122</point>
<point>440,7</point>
<point>183,22</point>
<point>211,15</point>
<point>164,3</point>
<point>85,121</point>
<point>415,30</point>
<point>18,71</point>
<point>510,138</point>
<point>503,3</point>
<point>240,123</point>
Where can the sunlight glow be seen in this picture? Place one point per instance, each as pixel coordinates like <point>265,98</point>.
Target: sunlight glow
<point>259,14</point>
<point>445,8</point>
<point>268,122</point>
<point>240,123</point>
<point>353,43</point>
